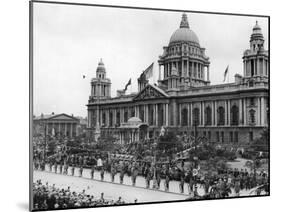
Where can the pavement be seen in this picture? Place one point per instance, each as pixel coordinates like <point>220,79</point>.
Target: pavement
<point>110,190</point>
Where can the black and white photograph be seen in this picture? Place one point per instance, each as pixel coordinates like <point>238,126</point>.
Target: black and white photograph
<point>146,105</point>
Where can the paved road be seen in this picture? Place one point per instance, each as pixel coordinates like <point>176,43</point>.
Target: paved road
<point>110,190</point>
<point>140,182</point>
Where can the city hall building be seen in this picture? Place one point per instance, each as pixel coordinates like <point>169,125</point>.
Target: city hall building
<point>183,99</point>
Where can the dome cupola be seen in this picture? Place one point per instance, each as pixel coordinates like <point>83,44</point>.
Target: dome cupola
<point>184,33</point>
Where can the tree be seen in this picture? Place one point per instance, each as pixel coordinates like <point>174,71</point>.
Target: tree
<point>261,144</point>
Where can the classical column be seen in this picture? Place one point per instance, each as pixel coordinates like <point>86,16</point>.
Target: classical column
<point>59,127</point>
<point>203,113</point>
<point>183,74</point>
<point>215,113</point>
<point>262,111</point>
<point>208,74</point>
<point>167,114</point>
<point>65,128</point>
<point>71,130</point>
<point>180,114</point>
<point>191,114</point>
<point>259,112</point>
<point>107,117</point>
<point>156,114</point>
<point>146,113</point>
<point>245,111</point>
<point>240,112</point>
<point>225,112</point>
<point>228,112</point>
<point>213,116</point>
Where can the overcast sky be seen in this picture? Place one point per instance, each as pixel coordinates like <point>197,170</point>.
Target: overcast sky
<point>70,40</point>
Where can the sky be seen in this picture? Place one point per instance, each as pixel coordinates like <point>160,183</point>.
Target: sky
<point>69,41</point>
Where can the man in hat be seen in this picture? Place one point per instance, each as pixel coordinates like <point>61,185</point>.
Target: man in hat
<point>92,172</point>
<point>81,171</point>
<point>72,169</point>
<point>102,173</point>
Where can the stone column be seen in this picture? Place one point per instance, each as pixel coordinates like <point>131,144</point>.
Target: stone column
<point>259,112</point>
<point>183,74</point>
<point>156,114</point>
<point>228,112</point>
<point>65,128</point>
<point>263,112</point>
<point>213,116</point>
<point>180,114</point>
<point>240,112</point>
<point>71,130</point>
<point>191,114</point>
<point>167,114</point>
<point>208,74</point>
<point>225,112</point>
<point>215,113</point>
<point>203,113</point>
<point>245,112</point>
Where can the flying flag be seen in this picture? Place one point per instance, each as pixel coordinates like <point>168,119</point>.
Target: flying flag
<point>149,71</point>
<point>128,83</point>
<point>225,73</point>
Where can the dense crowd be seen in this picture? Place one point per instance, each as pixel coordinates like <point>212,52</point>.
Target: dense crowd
<point>216,185</point>
<point>50,197</point>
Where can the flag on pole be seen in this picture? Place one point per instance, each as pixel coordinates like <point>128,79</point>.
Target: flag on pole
<point>225,73</point>
<point>128,83</point>
<point>149,71</point>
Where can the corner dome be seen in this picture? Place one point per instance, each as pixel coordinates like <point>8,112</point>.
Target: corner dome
<point>101,65</point>
<point>184,33</point>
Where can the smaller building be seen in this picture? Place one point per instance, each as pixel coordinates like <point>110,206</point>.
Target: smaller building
<point>56,125</point>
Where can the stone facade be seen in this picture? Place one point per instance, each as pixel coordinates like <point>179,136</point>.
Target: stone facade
<point>56,125</point>
<point>184,99</point>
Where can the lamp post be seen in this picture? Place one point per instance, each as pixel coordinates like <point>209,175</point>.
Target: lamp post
<point>154,170</point>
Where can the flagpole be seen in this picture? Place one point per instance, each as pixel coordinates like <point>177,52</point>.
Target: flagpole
<point>228,76</point>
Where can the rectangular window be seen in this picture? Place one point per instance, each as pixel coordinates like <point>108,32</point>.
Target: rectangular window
<point>218,136</point>
<point>209,135</point>
<point>251,136</point>
<point>231,136</point>
<point>236,137</point>
<point>222,137</point>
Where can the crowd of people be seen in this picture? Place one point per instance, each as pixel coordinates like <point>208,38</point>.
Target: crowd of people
<point>47,196</point>
<point>220,184</point>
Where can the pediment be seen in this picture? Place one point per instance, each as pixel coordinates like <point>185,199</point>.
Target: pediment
<point>151,92</point>
<point>63,117</point>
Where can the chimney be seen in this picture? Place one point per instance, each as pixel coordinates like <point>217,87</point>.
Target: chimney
<point>238,78</point>
<point>53,113</point>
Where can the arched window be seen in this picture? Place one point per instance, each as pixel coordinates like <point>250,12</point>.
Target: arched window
<point>184,117</point>
<point>103,118</point>
<point>252,116</point>
<point>110,119</point>
<point>118,118</point>
<point>125,116</point>
<point>195,116</point>
<point>221,115</point>
<point>142,113</point>
<point>150,114</point>
<point>234,115</point>
<point>208,116</point>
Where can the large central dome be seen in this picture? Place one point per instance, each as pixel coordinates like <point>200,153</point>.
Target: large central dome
<point>184,33</point>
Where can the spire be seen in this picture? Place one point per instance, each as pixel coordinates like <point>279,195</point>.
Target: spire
<point>184,21</point>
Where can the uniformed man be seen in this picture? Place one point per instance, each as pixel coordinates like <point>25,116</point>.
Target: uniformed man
<point>92,172</point>
<point>60,168</point>
<point>134,174</point>
<point>56,167</point>
<point>167,179</point>
<point>72,169</point>
<point>81,171</point>
<point>122,173</point>
<point>181,184</point>
<point>113,172</point>
<point>147,176</point>
<point>102,173</point>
